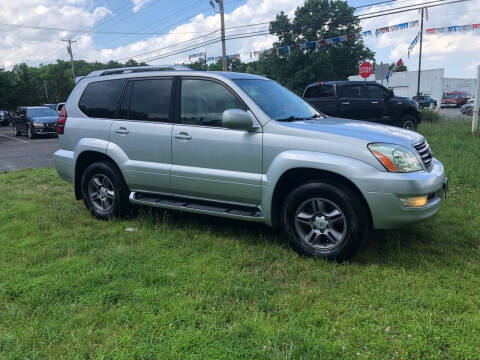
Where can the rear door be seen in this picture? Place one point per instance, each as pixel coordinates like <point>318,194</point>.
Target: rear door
<point>353,101</point>
<point>143,133</point>
<point>376,101</point>
<point>322,97</point>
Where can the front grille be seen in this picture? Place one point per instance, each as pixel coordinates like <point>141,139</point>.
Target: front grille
<point>425,153</point>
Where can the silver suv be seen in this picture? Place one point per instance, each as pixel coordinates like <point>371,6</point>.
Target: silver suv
<point>243,147</point>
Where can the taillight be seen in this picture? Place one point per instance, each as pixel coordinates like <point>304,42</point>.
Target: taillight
<point>62,119</point>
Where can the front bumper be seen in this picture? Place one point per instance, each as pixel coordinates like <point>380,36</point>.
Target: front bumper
<point>384,200</point>
<point>44,131</point>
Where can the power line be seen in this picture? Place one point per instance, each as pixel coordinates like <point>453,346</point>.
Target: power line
<point>176,52</point>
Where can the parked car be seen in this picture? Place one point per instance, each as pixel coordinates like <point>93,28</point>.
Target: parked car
<point>34,121</point>
<point>362,100</point>
<point>425,101</point>
<point>455,98</point>
<point>5,118</point>
<point>51,106</point>
<point>59,107</point>
<point>467,108</point>
<point>243,147</point>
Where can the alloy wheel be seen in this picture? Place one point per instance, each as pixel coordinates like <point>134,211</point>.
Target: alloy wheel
<point>101,192</point>
<point>320,223</point>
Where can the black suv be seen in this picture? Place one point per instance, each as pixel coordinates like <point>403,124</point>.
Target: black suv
<point>35,120</point>
<point>363,100</point>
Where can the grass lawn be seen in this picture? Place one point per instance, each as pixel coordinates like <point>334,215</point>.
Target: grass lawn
<point>192,287</point>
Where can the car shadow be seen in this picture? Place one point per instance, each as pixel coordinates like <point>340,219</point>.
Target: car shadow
<point>406,248</point>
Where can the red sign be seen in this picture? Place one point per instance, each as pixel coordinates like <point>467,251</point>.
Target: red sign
<point>366,69</point>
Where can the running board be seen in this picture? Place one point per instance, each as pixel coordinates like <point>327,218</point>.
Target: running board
<point>241,212</point>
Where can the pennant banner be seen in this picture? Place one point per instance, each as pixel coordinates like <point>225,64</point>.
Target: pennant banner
<point>397,27</point>
<point>452,29</point>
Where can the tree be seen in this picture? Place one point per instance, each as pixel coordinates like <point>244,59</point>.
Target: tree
<point>400,68</point>
<point>315,20</point>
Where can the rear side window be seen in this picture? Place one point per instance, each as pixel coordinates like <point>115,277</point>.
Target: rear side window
<point>100,98</point>
<point>319,91</point>
<point>351,91</point>
<point>150,100</point>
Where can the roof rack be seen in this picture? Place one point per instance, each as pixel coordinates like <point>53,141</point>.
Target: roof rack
<point>138,69</point>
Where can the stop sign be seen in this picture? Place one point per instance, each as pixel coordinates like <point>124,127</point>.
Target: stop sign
<point>365,70</point>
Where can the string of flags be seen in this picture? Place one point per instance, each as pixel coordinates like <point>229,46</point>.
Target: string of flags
<point>203,57</point>
<point>443,30</point>
<point>337,39</point>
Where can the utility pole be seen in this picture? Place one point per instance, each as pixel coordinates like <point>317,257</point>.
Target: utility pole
<point>224,48</point>
<point>420,55</point>
<point>69,50</point>
<point>476,105</point>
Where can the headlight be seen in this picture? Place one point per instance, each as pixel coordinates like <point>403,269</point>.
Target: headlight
<point>395,158</point>
<point>37,124</point>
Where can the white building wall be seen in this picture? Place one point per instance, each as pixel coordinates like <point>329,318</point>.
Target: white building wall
<point>433,83</point>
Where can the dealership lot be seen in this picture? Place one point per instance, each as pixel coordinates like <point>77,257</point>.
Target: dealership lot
<point>21,152</point>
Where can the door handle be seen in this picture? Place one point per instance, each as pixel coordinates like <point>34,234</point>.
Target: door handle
<point>374,102</point>
<point>183,136</point>
<point>122,131</point>
<point>345,103</point>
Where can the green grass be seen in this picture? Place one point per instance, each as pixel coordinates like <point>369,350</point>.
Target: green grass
<point>192,287</point>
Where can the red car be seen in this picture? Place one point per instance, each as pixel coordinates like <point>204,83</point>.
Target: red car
<point>455,98</point>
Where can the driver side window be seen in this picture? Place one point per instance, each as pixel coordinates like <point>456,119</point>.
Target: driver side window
<point>203,102</point>
<point>376,92</point>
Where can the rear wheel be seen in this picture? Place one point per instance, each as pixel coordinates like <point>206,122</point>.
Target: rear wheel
<point>409,122</point>
<point>104,191</point>
<point>324,220</point>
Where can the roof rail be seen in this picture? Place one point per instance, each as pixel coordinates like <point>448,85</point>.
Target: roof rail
<point>138,69</point>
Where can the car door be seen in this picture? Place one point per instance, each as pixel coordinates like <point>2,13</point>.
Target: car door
<point>353,102</point>
<point>209,161</point>
<point>322,97</point>
<point>143,133</point>
<point>376,102</point>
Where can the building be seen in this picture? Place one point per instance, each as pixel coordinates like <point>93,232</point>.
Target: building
<point>433,83</point>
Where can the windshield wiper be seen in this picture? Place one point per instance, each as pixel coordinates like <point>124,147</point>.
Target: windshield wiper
<point>295,118</point>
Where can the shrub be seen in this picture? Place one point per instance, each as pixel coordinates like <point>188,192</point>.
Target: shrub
<point>430,116</point>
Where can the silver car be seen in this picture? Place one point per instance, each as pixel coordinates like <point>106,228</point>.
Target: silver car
<point>243,147</point>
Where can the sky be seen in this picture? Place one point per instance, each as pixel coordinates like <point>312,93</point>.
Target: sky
<point>164,24</point>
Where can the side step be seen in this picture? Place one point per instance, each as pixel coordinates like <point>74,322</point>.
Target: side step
<point>242,212</point>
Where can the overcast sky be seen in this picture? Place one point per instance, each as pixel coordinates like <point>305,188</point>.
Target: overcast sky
<point>177,21</point>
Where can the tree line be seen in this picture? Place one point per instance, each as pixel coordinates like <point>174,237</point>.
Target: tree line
<point>315,20</point>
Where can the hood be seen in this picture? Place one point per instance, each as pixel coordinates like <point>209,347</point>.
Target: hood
<point>45,120</point>
<point>362,130</point>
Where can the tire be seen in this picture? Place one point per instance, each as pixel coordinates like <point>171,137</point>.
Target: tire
<point>15,131</point>
<point>30,133</point>
<point>111,200</point>
<point>409,122</point>
<point>342,212</point>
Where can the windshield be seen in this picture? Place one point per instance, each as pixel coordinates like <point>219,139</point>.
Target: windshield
<point>451,96</point>
<point>42,112</point>
<point>276,101</point>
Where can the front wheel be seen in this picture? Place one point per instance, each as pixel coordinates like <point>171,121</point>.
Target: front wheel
<point>324,220</point>
<point>409,122</point>
<point>30,133</point>
<point>104,191</point>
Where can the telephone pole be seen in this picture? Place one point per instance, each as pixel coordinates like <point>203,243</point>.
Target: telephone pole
<point>69,50</point>
<point>420,55</point>
<point>224,48</point>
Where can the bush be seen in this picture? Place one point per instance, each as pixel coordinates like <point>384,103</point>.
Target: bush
<point>430,116</point>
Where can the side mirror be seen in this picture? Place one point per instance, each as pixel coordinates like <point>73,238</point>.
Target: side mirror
<point>390,94</point>
<point>237,119</point>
